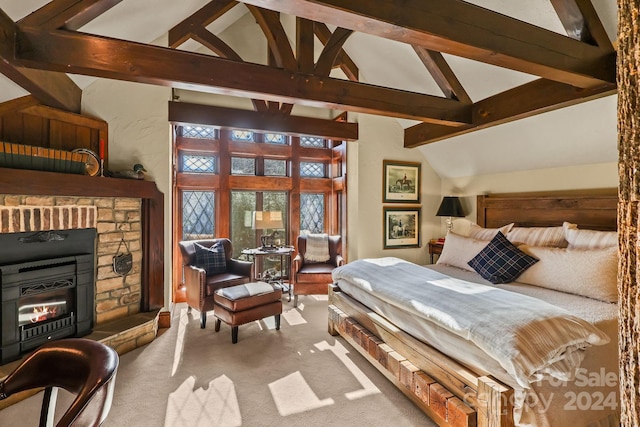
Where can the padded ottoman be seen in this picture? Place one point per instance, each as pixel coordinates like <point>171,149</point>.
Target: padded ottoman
<point>240,304</point>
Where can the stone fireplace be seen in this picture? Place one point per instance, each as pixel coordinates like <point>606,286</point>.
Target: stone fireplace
<point>114,224</point>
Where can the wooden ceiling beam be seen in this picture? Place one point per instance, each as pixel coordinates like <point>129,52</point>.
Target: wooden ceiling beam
<point>68,14</point>
<point>466,30</point>
<point>98,56</point>
<point>277,40</point>
<point>331,50</point>
<point>216,45</point>
<point>581,22</point>
<point>348,67</point>
<point>442,74</point>
<point>181,112</point>
<point>53,89</point>
<point>536,97</point>
<point>304,45</point>
<point>203,17</point>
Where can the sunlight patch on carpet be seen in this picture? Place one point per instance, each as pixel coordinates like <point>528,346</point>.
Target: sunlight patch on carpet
<point>215,406</point>
<point>177,352</point>
<point>293,395</point>
<point>294,317</point>
<point>368,388</point>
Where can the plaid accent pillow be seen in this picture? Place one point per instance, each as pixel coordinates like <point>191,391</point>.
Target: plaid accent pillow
<point>501,261</point>
<point>212,259</point>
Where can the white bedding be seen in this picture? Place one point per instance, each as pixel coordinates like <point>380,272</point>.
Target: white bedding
<point>496,353</point>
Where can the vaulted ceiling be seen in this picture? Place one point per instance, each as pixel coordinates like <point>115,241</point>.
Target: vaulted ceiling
<point>443,68</point>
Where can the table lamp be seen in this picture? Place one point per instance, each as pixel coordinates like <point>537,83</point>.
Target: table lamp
<point>450,207</point>
<point>267,220</point>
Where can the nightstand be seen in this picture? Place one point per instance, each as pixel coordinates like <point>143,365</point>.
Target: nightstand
<point>435,248</point>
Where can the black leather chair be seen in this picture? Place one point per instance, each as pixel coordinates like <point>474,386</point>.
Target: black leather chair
<point>200,286</point>
<point>81,366</point>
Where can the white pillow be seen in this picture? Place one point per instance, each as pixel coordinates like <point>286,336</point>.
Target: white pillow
<point>459,250</point>
<point>540,236</point>
<point>591,273</point>
<point>482,233</point>
<point>590,239</point>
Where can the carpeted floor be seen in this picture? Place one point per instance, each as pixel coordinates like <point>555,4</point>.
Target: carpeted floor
<point>298,376</point>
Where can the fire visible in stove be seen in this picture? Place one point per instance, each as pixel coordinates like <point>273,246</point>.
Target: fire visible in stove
<point>43,307</point>
<point>45,312</point>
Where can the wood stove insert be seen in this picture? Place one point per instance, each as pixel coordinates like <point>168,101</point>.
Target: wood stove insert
<point>47,288</point>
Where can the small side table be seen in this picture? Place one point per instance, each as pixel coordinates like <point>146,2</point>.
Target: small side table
<point>283,253</point>
<point>435,248</point>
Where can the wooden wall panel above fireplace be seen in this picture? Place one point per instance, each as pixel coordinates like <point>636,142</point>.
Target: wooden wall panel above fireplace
<point>28,182</point>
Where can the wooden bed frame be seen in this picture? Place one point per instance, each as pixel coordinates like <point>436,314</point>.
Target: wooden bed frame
<point>449,393</point>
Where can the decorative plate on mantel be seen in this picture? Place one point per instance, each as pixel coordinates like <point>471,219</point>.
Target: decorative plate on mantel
<point>93,162</point>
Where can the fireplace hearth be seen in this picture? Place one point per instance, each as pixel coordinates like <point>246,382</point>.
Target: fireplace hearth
<point>47,288</point>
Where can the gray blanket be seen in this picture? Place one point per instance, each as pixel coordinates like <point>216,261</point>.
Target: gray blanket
<point>527,336</point>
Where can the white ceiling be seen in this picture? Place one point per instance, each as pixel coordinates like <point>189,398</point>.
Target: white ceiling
<point>581,134</point>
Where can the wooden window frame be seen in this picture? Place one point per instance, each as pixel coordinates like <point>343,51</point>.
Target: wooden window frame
<point>222,183</point>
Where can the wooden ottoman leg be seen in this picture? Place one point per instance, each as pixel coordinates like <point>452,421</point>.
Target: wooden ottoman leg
<point>217,328</point>
<point>277,322</point>
<point>234,334</point>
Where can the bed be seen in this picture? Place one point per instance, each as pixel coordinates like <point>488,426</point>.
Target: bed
<point>446,375</point>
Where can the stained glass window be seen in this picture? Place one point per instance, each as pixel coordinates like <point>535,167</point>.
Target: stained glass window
<point>203,132</point>
<point>196,163</point>
<point>312,212</point>
<point>312,169</point>
<point>243,166</point>
<point>312,142</point>
<point>242,135</point>
<point>275,138</point>
<point>275,167</point>
<point>198,215</point>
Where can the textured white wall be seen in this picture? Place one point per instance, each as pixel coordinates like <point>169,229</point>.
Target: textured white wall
<point>381,138</point>
<point>600,175</point>
<point>139,132</point>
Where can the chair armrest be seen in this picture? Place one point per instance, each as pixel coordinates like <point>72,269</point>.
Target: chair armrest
<point>339,260</point>
<point>194,280</point>
<point>241,268</point>
<point>297,263</point>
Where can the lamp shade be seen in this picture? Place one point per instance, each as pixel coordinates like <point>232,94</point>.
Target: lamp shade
<point>450,206</point>
<point>263,220</point>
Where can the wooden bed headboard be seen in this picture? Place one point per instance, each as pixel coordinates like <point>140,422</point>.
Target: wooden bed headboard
<point>590,209</point>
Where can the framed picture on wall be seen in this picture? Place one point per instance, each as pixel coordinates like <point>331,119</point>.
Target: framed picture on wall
<point>401,182</point>
<point>401,227</point>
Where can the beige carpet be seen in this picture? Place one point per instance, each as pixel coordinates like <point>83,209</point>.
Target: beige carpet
<point>298,376</point>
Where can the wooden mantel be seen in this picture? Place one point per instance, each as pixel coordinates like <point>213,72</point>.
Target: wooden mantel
<point>37,183</point>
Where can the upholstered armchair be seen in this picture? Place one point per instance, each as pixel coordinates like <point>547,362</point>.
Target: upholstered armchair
<point>311,277</point>
<point>203,275</point>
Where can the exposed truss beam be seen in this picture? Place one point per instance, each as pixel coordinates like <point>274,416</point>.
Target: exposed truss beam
<point>304,45</point>
<point>261,121</point>
<point>68,14</point>
<point>538,96</point>
<point>463,29</point>
<point>581,22</point>
<point>203,17</point>
<point>215,44</point>
<point>123,60</point>
<point>442,74</point>
<point>348,67</point>
<point>53,89</point>
<point>332,49</point>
